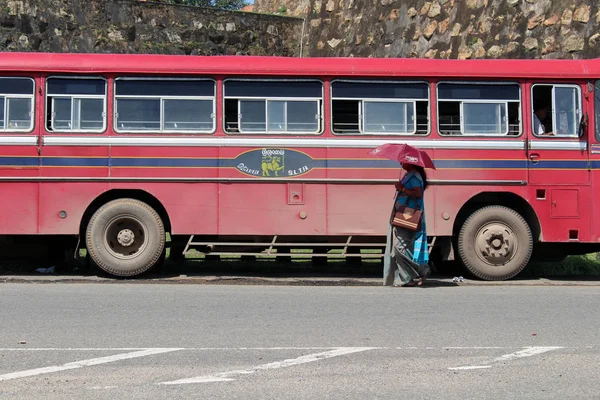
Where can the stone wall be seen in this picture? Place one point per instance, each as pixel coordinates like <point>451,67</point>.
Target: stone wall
<point>365,28</point>
<point>108,26</point>
<point>297,8</point>
<point>447,28</point>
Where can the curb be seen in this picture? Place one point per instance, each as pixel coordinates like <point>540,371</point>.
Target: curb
<point>285,281</point>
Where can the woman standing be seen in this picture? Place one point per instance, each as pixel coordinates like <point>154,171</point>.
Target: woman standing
<point>409,258</point>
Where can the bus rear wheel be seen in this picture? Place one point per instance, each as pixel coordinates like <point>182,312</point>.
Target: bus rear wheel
<point>125,237</point>
<point>495,243</point>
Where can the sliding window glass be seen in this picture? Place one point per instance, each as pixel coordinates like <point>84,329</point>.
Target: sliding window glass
<point>76,104</point>
<point>16,104</point>
<point>560,105</point>
<point>480,109</point>
<point>156,105</point>
<point>273,106</point>
<point>380,108</point>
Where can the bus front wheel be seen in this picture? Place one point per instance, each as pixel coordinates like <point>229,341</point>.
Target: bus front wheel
<point>125,237</point>
<point>495,243</point>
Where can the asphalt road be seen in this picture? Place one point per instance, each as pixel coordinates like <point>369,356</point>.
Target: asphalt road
<point>140,341</point>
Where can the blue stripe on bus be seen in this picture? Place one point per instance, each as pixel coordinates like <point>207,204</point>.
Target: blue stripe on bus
<point>595,164</point>
<point>19,161</point>
<point>319,163</point>
<point>73,162</point>
<point>560,164</point>
<point>165,162</point>
<point>480,164</point>
<point>338,163</point>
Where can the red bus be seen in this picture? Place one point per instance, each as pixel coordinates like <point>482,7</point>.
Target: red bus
<point>271,153</point>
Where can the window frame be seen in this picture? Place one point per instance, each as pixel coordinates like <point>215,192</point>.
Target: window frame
<point>161,100</point>
<point>361,102</point>
<point>580,110</point>
<point>320,107</point>
<point>85,96</point>
<point>19,96</point>
<point>363,115</point>
<point>494,101</point>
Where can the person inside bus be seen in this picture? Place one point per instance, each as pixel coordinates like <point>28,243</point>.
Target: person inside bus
<point>539,115</point>
<point>410,255</point>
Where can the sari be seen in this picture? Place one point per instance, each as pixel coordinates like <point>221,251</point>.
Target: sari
<point>406,252</point>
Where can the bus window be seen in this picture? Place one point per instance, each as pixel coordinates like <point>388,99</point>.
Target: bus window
<point>556,110</point>
<point>273,106</point>
<point>164,105</point>
<point>16,104</point>
<point>76,104</point>
<point>379,108</point>
<point>597,109</point>
<point>483,109</point>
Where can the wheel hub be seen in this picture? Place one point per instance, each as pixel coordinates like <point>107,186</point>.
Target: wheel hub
<point>126,237</point>
<point>496,243</point>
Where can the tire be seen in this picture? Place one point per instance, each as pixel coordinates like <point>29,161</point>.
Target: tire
<point>125,237</point>
<point>495,243</point>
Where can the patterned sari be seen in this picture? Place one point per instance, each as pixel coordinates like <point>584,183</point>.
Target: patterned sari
<point>406,252</point>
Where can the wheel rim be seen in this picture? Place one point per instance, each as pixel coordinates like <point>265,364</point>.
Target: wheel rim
<point>125,237</point>
<point>496,243</point>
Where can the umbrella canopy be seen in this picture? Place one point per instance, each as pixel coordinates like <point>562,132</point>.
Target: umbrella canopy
<point>404,154</point>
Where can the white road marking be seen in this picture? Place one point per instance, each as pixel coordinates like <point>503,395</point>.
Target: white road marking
<point>527,352</point>
<point>227,376</point>
<point>273,348</point>
<point>455,348</point>
<point>531,351</point>
<point>84,363</point>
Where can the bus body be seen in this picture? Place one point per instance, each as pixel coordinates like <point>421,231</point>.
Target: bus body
<point>270,151</point>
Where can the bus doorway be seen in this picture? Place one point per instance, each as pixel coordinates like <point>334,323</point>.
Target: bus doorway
<point>558,162</point>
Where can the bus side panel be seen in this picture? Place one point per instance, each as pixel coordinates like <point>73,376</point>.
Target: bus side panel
<point>192,208</point>
<point>272,209</point>
<point>449,200</point>
<point>362,207</point>
<point>70,197</point>
<point>19,210</point>
<point>359,209</point>
<point>491,166</point>
<point>564,212</point>
<point>268,206</point>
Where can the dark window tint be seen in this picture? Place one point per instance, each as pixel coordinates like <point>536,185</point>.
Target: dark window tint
<point>264,89</point>
<point>138,114</point>
<point>379,90</point>
<point>183,88</point>
<point>447,91</point>
<point>16,86</point>
<point>61,86</point>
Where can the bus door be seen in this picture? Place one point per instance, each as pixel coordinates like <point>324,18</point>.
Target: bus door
<point>19,161</point>
<point>558,162</point>
<point>594,141</point>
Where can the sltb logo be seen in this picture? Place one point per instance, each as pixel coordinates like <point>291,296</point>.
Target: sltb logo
<point>274,163</point>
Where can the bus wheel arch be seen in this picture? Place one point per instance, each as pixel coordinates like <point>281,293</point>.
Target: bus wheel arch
<point>134,211</point>
<point>115,194</point>
<point>494,235</point>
